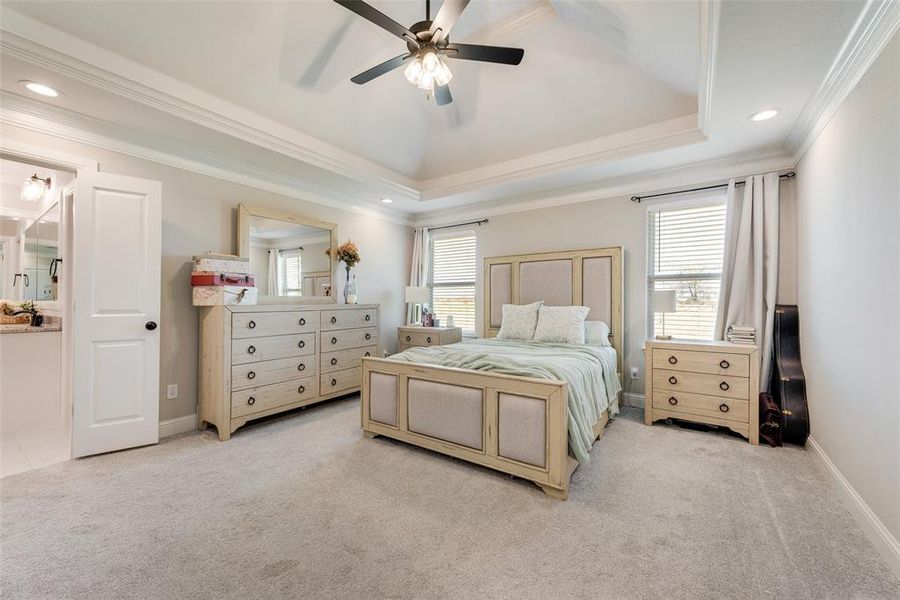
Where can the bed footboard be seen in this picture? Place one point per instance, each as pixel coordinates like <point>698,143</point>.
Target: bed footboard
<point>516,425</point>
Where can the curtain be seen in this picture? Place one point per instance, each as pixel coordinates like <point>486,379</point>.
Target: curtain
<point>272,287</point>
<point>418,271</point>
<point>747,293</point>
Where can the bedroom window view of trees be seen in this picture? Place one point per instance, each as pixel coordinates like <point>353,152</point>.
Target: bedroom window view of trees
<point>452,276</point>
<point>684,250</point>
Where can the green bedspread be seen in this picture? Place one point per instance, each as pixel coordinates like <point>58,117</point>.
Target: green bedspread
<point>589,371</point>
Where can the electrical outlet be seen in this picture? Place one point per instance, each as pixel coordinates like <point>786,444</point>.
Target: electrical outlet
<point>634,372</point>
<point>171,391</point>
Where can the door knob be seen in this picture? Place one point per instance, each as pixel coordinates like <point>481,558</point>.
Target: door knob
<point>150,325</point>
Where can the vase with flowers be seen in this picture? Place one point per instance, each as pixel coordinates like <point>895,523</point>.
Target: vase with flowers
<point>348,254</point>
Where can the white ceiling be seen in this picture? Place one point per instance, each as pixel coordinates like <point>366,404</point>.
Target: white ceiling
<point>607,90</point>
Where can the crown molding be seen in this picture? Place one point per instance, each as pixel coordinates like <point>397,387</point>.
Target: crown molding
<point>710,11</point>
<point>710,172</point>
<point>21,114</point>
<point>873,29</point>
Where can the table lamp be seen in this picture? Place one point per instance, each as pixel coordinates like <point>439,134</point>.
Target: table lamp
<point>663,301</point>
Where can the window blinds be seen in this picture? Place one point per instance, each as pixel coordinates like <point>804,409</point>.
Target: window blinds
<point>291,272</point>
<point>453,277</point>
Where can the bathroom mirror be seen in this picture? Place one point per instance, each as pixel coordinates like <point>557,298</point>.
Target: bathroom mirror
<point>41,258</point>
<point>290,255</point>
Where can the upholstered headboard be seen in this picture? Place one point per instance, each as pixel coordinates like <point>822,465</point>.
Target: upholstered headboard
<point>591,278</point>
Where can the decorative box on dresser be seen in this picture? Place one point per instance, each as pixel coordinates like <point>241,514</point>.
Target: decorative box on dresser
<point>716,383</point>
<point>263,359</point>
<point>411,336</point>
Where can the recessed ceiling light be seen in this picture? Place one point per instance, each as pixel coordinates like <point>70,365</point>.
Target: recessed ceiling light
<point>387,200</point>
<point>764,115</point>
<point>40,88</point>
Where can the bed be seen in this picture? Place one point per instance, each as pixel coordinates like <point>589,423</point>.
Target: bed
<point>528,409</point>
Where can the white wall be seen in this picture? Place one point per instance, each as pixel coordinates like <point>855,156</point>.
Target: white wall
<point>849,286</point>
<point>199,213</point>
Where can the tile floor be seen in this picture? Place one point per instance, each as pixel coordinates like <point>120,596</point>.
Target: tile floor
<point>24,451</point>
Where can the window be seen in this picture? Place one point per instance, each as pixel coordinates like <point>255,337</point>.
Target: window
<point>290,268</point>
<point>684,254</point>
<point>452,276</point>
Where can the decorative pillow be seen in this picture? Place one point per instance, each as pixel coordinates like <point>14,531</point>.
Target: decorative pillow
<point>596,333</point>
<point>563,324</point>
<point>519,321</point>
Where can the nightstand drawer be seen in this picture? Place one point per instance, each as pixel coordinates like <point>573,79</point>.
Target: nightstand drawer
<point>701,405</point>
<point>716,363</point>
<point>420,338</point>
<point>700,383</point>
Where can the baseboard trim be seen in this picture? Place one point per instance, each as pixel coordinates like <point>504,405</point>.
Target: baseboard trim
<point>177,425</point>
<point>635,400</point>
<point>886,544</point>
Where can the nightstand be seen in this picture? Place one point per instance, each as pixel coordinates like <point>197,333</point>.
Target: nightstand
<point>411,336</point>
<point>716,383</point>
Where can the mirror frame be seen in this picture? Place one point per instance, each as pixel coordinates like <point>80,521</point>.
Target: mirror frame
<point>246,212</point>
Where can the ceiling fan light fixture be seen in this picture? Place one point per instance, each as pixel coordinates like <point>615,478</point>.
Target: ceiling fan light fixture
<point>427,81</point>
<point>430,61</point>
<point>442,74</point>
<point>414,71</point>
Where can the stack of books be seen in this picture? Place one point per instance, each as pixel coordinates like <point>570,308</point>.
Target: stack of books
<point>741,334</point>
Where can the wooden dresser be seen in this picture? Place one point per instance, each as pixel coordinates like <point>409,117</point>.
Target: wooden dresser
<point>263,359</point>
<point>716,383</point>
<point>411,336</point>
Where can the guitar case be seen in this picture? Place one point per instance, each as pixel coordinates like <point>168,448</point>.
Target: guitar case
<point>788,384</point>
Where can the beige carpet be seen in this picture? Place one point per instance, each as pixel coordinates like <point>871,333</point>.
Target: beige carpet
<point>303,506</point>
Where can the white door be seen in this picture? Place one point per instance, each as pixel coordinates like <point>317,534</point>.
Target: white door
<point>115,293</point>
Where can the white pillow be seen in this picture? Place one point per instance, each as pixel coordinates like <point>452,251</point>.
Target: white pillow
<point>596,333</point>
<point>519,321</point>
<point>563,324</point>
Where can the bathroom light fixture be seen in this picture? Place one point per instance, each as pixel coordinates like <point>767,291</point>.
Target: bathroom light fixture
<point>387,200</point>
<point>40,88</point>
<point>34,188</point>
<point>764,115</point>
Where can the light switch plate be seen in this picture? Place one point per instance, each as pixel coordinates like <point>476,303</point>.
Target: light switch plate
<point>171,391</point>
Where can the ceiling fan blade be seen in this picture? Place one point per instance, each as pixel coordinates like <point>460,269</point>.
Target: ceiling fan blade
<point>379,70</point>
<point>494,54</point>
<point>446,18</point>
<point>382,20</point>
<point>442,95</point>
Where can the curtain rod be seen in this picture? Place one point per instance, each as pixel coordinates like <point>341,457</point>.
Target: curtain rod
<point>637,199</point>
<point>481,222</point>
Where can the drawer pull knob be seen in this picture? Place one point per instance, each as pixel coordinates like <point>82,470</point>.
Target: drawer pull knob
<point>724,364</point>
<point>673,400</point>
<point>334,361</point>
<point>251,375</point>
<point>724,386</point>
<point>301,344</point>
<point>333,320</point>
<point>673,380</point>
<point>302,322</point>
<point>251,350</point>
<point>301,367</point>
<point>724,407</point>
<point>408,338</point>
<point>369,336</point>
<point>251,400</point>
<point>368,318</point>
<point>334,340</point>
<point>333,382</point>
<point>672,360</point>
<point>368,354</point>
<point>301,389</point>
<point>252,324</point>
<point>428,339</point>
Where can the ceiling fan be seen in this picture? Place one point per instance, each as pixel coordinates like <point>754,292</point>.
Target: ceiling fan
<point>428,44</point>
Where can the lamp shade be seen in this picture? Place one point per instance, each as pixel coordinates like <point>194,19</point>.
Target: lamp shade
<point>663,301</point>
<point>418,295</point>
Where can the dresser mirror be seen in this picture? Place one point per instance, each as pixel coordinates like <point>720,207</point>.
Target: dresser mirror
<point>290,255</point>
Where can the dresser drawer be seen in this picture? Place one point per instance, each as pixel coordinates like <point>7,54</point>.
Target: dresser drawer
<point>337,381</point>
<point>700,383</point>
<point>420,338</point>
<point>269,348</point>
<point>717,363</point>
<point>246,325</point>
<point>345,359</point>
<point>730,409</point>
<point>349,318</point>
<point>348,338</point>
<point>272,371</point>
<point>261,398</point>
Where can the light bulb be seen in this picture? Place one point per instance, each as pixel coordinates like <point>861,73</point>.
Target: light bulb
<point>34,189</point>
<point>442,74</point>
<point>414,71</point>
<point>430,61</point>
<point>427,82</point>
